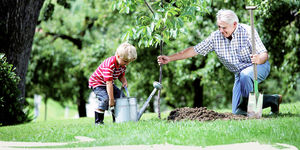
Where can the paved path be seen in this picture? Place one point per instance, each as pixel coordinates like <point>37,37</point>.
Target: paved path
<point>6,145</point>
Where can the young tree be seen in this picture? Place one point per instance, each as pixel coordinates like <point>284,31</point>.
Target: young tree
<point>163,21</point>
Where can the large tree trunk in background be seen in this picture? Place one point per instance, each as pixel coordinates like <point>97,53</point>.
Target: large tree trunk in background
<point>18,19</point>
<point>198,88</point>
<point>198,98</point>
<point>81,103</point>
<point>81,107</point>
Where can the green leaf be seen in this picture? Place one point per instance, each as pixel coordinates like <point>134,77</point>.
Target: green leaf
<point>140,43</point>
<point>149,33</point>
<point>152,26</point>
<point>125,36</point>
<point>150,41</point>
<point>127,10</point>
<point>157,37</point>
<point>180,22</point>
<point>114,5</point>
<point>140,30</point>
<point>133,33</point>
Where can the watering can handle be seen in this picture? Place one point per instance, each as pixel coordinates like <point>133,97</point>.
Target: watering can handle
<point>127,92</point>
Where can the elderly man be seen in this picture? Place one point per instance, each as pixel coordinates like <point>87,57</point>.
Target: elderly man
<point>232,44</point>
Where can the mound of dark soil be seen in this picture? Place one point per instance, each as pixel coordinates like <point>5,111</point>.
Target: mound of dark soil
<point>201,114</point>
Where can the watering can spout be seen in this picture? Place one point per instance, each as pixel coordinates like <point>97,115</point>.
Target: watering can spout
<point>157,86</point>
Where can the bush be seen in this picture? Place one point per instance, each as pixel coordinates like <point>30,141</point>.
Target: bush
<point>11,105</point>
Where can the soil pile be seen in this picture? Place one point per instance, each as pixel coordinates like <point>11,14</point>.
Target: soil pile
<point>201,114</point>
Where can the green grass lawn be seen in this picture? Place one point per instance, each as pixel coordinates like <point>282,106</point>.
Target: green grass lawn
<point>283,128</point>
<point>55,111</point>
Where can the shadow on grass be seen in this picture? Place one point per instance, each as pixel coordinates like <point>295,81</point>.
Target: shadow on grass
<point>281,115</point>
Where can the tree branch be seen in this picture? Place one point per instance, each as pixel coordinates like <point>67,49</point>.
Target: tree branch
<point>149,7</point>
<point>75,41</point>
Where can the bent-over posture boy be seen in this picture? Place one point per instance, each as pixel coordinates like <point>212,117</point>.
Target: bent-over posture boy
<point>102,80</point>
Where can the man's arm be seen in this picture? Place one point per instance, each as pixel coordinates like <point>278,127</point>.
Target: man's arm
<point>187,53</point>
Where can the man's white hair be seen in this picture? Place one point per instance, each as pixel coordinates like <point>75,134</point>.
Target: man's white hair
<point>227,16</point>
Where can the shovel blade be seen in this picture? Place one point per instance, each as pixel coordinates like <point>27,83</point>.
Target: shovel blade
<point>255,106</point>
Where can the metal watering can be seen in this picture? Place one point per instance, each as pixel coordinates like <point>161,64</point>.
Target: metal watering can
<point>126,107</point>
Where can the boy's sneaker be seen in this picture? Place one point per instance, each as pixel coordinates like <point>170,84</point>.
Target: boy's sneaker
<point>99,123</point>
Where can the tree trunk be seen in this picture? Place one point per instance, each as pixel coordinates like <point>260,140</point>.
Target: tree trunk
<point>198,98</point>
<point>81,107</point>
<point>46,101</point>
<point>18,19</point>
<point>81,103</point>
<point>198,88</point>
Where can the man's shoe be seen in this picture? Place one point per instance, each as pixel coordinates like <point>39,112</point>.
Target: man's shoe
<point>240,112</point>
<point>279,100</point>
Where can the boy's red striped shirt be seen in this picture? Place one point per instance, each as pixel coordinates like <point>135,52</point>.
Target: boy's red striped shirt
<point>108,70</point>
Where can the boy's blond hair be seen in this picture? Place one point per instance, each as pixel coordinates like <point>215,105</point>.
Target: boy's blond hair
<point>127,52</point>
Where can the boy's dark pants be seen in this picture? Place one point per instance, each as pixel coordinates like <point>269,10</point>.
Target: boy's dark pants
<point>103,101</point>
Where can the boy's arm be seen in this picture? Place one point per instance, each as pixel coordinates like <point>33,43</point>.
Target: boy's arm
<point>123,80</point>
<point>110,92</point>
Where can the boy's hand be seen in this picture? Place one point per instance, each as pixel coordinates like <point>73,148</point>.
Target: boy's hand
<point>111,103</point>
<point>124,84</point>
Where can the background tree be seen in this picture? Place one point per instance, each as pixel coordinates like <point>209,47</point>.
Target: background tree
<point>17,27</point>
<point>280,23</point>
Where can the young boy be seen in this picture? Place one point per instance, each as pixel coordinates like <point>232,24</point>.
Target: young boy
<point>102,80</point>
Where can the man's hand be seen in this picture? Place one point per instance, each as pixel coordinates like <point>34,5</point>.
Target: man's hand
<point>259,58</point>
<point>162,59</point>
<point>255,59</point>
